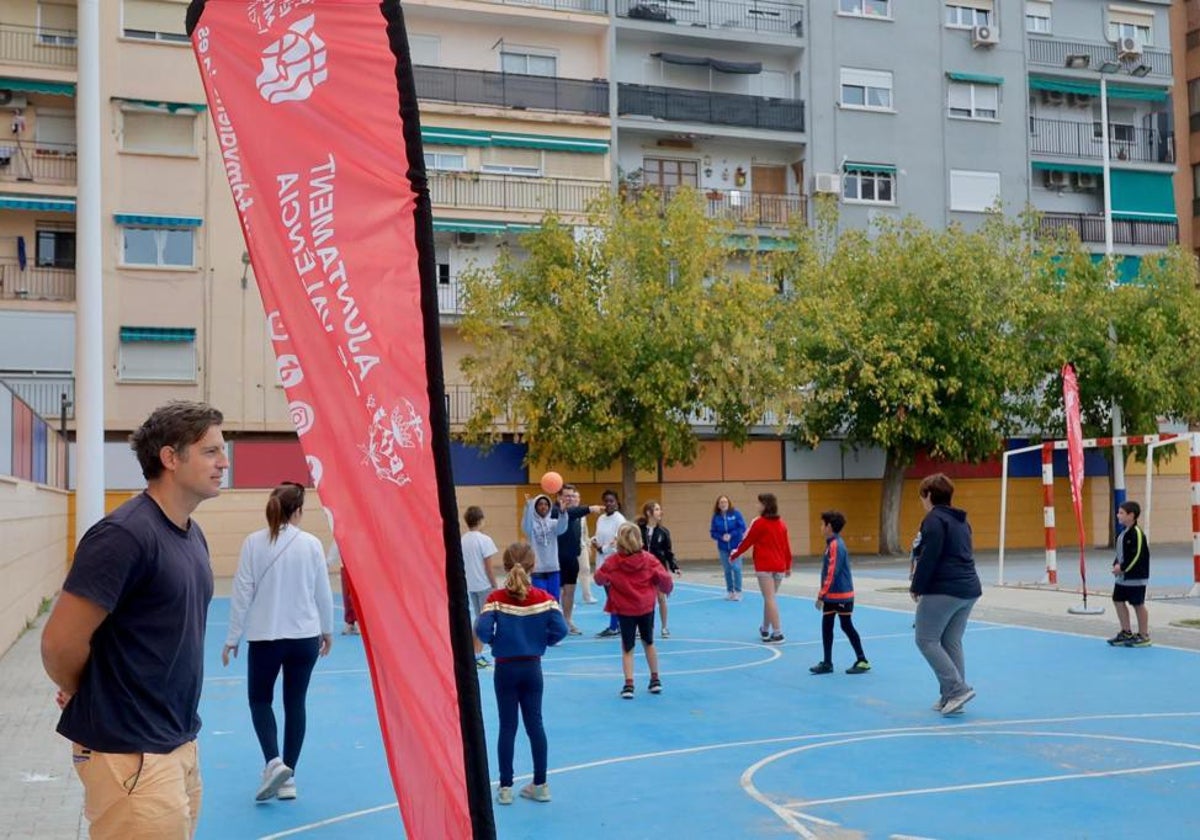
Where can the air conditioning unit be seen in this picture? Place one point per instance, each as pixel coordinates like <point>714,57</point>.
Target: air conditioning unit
<point>1053,97</point>
<point>12,99</point>
<point>1086,181</point>
<point>827,182</point>
<point>465,239</point>
<point>984,36</point>
<point>1128,48</point>
<point>1056,179</point>
<point>1079,100</point>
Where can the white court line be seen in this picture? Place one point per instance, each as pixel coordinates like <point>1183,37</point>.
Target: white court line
<point>965,728</point>
<point>337,672</point>
<point>331,821</point>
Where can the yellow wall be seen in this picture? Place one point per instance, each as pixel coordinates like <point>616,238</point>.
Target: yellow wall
<point>33,520</point>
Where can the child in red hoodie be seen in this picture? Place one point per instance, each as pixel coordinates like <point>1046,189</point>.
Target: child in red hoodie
<point>634,577</point>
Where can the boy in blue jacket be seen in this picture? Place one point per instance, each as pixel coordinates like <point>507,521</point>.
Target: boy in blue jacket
<point>836,596</point>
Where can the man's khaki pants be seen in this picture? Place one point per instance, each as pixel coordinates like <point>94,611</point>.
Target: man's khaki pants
<point>140,796</point>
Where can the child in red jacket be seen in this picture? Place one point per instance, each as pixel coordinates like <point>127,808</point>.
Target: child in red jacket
<point>768,536</point>
<point>634,577</point>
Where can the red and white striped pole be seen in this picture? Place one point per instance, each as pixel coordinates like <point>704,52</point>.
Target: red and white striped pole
<point>1195,476</point>
<point>1048,512</point>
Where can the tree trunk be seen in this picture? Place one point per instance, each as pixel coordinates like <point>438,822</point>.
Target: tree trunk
<point>628,486</point>
<point>889,503</point>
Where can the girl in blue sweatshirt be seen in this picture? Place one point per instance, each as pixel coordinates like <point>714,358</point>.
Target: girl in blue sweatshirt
<point>519,622</point>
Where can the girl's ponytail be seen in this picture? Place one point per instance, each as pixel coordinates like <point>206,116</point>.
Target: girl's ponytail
<point>518,562</point>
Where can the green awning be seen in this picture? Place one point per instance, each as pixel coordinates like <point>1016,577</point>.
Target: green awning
<point>1145,94</point>
<point>479,226</point>
<point>868,167</point>
<point>147,220</point>
<point>742,242</point>
<point>31,202</point>
<point>433,136</point>
<point>172,107</point>
<point>157,334</point>
<point>977,78</point>
<point>1128,266</point>
<point>1052,166</point>
<point>1142,196</point>
<point>31,86</point>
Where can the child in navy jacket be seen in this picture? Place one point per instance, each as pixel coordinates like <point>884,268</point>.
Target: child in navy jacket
<point>836,596</point>
<point>519,622</point>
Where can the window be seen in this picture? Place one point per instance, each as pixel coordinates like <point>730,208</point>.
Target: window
<point>447,161</point>
<point>528,63</point>
<point>1195,181</point>
<point>425,49</point>
<point>867,89</point>
<point>157,131</point>
<point>973,192</point>
<point>667,174</point>
<point>1038,16</point>
<point>968,15</point>
<point>55,248</point>
<point>1126,23</point>
<point>156,354</point>
<point>867,183</point>
<point>56,24</point>
<point>974,101</point>
<point>158,246</point>
<point>866,8</point>
<point>501,161</point>
<point>1193,96</point>
<point>154,20</point>
<point>54,131</point>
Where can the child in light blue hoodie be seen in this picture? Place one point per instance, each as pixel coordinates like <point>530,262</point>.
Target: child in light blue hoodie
<point>542,530</point>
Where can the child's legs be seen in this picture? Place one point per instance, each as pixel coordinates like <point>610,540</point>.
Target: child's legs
<point>848,628</point>
<point>769,586</point>
<point>477,600</point>
<point>568,602</point>
<point>1122,614</point>
<point>529,695</point>
<point>505,682</point>
<point>662,607</point>
<point>628,625</point>
<point>726,567</point>
<point>645,628</point>
<point>613,624</point>
<point>1136,598</point>
<point>1143,619</point>
<point>736,566</point>
<point>827,636</point>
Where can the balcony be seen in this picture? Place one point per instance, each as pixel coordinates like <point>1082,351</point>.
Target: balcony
<point>450,297</point>
<point>37,47</point>
<point>1090,228</point>
<point>1052,52</point>
<point>587,7</point>
<point>36,283</point>
<point>1064,138</point>
<point>701,106</point>
<point>43,392</point>
<point>744,208</point>
<point>40,163</point>
<point>480,191</point>
<point>759,16</point>
<point>511,90</point>
<point>460,403</point>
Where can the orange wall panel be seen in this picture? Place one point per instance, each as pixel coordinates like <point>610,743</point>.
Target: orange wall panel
<point>706,467</point>
<point>758,460</point>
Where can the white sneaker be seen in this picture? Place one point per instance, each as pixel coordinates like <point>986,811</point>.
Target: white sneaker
<point>273,777</point>
<point>287,790</point>
<point>505,796</point>
<point>955,703</point>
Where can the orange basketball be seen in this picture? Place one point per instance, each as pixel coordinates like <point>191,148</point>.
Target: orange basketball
<point>551,482</point>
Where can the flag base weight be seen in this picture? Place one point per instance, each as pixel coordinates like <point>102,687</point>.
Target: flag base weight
<point>1084,609</point>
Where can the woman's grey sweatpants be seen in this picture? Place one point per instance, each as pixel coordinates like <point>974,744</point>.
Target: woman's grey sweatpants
<point>941,620</point>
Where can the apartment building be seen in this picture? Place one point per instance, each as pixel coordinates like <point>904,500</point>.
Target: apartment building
<point>1185,31</point>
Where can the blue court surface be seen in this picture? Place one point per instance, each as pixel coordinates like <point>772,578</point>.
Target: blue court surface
<point>1067,738</point>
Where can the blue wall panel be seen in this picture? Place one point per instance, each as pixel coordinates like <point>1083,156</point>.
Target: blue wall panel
<point>503,464</point>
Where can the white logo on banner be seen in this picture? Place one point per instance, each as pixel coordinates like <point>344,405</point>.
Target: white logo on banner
<point>390,432</point>
<point>315,470</point>
<point>275,327</point>
<point>290,372</point>
<point>293,65</point>
<point>265,13</point>
<point>302,416</point>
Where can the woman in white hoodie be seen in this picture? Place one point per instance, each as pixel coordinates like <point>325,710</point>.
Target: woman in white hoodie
<point>283,605</point>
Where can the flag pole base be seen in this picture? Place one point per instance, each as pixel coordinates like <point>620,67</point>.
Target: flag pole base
<point>1084,609</point>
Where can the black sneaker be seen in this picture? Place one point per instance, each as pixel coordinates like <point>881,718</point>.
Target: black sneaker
<point>627,692</point>
<point>775,639</point>
<point>862,666</point>
<point>655,686</point>
<point>1121,638</point>
<point>607,633</point>
<point>821,668</point>
<point>1138,641</point>
<point>764,634</point>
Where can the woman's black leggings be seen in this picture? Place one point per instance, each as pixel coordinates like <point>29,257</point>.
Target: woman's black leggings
<point>847,628</point>
<point>296,658</point>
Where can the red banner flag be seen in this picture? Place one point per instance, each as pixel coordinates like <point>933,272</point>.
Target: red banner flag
<point>316,115</point>
<point>1075,459</point>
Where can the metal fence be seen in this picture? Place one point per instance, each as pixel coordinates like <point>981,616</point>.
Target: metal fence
<point>513,192</point>
<point>37,47</point>
<point>743,207</point>
<point>1090,228</point>
<point>36,283</point>
<point>753,16</point>
<point>1052,52</point>
<point>43,393</point>
<point>511,90</point>
<point>450,297</point>
<point>589,7</point>
<point>460,403</point>
<point>1085,140</point>
<point>39,163</point>
<point>682,105</point>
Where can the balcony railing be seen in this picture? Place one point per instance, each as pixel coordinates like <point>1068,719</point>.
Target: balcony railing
<point>747,15</point>
<point>700,106</point>
<point>745,208</point>
<point>35,283</point>
<point>1090,228</point>
<point>587,7</point>
<point>460,403</point>
<point>43,392</point>
<point>513,192</point>
<point>1052,52</point>
<point>40,163</point>
<point>511,90</point>
<point>1065,138</point>
<point>37,47</point>
<point>450,297</point>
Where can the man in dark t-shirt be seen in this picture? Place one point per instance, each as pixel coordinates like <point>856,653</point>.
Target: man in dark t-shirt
<point>125,642</point>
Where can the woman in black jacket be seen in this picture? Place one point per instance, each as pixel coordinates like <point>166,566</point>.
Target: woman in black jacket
<point>657,540</point>
<point>945,586</point>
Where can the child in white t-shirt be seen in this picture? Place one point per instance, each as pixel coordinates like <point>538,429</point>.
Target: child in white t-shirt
<point>479,553</point>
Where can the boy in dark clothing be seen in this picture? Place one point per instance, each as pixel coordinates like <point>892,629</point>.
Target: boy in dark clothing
<point>836,596</point>
<point>1132,572</point>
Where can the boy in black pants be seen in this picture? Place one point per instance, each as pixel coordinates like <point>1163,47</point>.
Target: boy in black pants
<point>1132,572</point>
<point>836,596</point>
